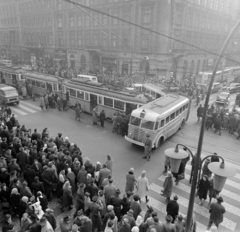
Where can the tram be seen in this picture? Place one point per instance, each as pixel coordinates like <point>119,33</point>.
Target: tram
<point>42,83</point>
<point>107,98</point>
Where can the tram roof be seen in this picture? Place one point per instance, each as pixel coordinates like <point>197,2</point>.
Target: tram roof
<point>43,76</point>
<point>155,87</point>
<point>13,69</point>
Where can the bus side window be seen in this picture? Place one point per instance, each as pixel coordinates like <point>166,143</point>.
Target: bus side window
<point>162,123</point>
<point>167,120</point>
<point>177,113</point>
<point>180,110</point>
<point>172,116</point>
<point>183,108</point>
<point>156,125</point>
<point>186,106</point>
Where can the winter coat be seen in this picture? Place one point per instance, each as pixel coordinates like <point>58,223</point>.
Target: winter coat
<point>168,186</point>
<point>67,197</point>
<point>216,213</point>
<point>203,188</point>
<point>142,186</point>
<point>130,181</point>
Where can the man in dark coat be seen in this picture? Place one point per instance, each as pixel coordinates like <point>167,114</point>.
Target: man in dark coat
<point>103,173</point>
<point>28,175</point>
<point>51,218</point>
<point>37,167</point>
<point>4,176</point>
<point>22,159</point>
<point>199,112</point>
<point>59,140</point>
<point>173,208</point>
<point>13,120</point>
<point>5,134</point>
<point>82,176</point>
<point>37,186</point>
<point>102,118</point>
<point>34,135</point>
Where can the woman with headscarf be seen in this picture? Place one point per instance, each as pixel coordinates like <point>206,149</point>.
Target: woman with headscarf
<point>76,166</point>
<point>26,190</point>
<point>142,186</point>
<point>168,186</point>
<point>202,189</point>
<point>22,206</point>
<point>80,198</point>
<point>130,181</point>
<point>96,172</point>
<point>67,201</point>
<point>15,198</point>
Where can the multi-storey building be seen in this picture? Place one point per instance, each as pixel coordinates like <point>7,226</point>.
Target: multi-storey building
<point>9,30</point>
<point>164,37</point>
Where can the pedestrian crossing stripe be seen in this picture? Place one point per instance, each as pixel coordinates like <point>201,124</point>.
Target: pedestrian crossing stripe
<point>24,108</point>
<point>27,108</point>
<point>18,111</point>
<point>31,105</point>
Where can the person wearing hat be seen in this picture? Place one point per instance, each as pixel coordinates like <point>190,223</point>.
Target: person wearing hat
<point>92,188</point>
<point>130,218</point>
<point>135,206</point>
<point>202,189</point>
<point>65,224</point>
<point>168,226</point>
<point>147,147</point>
<point>130,181</point>
<point>13,166</point>
<point>7,224</point>
<point>157,225</point>
<point>103,173</point>
<point>173,208</point>
<point>116,202</point>
<point>142,186</point>
<point>217,211</point>
<point>180,223</point>
<point>109,190</point>
<point>135,229</point>
<point>22,159</point>
<point>167,186</point>
<point>51,218</point>
<point>95,209</point>
<point>106,216</point>
<point>80,198</point>
<point>28,175</point>
<point>46,226</point>
<point>125,226</point>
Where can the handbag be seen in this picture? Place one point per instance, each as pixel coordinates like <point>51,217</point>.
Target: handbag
<point>181,176</point>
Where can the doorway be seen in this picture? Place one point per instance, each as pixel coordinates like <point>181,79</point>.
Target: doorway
<point>93,102</point>
<point>130,107</point>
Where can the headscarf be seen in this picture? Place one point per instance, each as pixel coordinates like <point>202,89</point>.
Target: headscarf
<point>14,191</point>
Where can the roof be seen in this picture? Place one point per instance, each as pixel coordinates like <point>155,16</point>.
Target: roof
<point>154,87</point>
<point>160,106</point>
<point>42,76</point>
<point>6,88</point>
<point>87,76</point>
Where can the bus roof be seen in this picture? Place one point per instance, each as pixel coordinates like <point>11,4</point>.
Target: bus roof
<point>87,76</point>
<point>154,87</point>
<point>42,76</point>
<point>160,106</point>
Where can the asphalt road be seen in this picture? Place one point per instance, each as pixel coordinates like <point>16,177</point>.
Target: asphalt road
<point>97,142</point>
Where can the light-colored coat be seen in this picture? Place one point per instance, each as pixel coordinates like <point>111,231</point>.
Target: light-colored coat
<point>142,186</point>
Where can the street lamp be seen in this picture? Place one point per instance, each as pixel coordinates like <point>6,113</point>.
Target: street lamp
<point>200,141</point>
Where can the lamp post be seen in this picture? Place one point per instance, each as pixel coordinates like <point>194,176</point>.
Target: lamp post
<point>200,141</point>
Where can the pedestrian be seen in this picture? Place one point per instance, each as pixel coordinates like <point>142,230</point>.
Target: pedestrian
<point>25,222</point>
<point>211,191</point>
<point>130,181</point>
<point>51,218</point>
<point>157,225</point>
<point>42,102</point>
<point>7,224</point>
<point>202,189</point>
<point>147,148</point>
<point>125,227</point>
<point>199,112</point>
<point>216,211</point>
<point>167,164</point>
<point>173,208</point>
<point>78,113</point>
<point>109,190</point>
<point>135,206</point>
<point>103,173</point>
<point>205,170</point>
<point>22,206</point>
<point>109,163</point>
<point>102,118</point>
<point>217,125</point>
<point>142,186</point>
<point>67,201</point>
<point>95,213</point>
<point>180,223</point>
<point>45,225</point>
<point>167,186</point>
<point>167,225</point>
<point>130,218</point>
<point>95,115</point>
<point>116,202</point>
<point>59,103</point>
<point>64,224</point>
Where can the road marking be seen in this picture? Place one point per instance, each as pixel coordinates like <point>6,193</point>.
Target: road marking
<point>162,208</point>
<point>31,105</point>
<point>27,109</point>
<point>230,208</point>
<point>18,111</point>
<point>89,126</point>
<point>227,223</point>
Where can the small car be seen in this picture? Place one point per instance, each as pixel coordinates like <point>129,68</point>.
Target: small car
<point>233,87</point>
<point>223,97</point>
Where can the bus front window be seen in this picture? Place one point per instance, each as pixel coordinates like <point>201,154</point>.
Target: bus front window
<point>135,121</point>
<point>147,124</point>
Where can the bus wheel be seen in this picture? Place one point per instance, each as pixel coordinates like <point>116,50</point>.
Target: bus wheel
<point>182,124</point>
<point>160,142</point>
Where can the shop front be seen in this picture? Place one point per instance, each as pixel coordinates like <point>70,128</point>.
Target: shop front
<point>125,66</point>
<point>60,57</point>
<point>73,61</point>
<point>109,65</point>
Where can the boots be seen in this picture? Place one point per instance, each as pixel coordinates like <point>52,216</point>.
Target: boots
<point>147,200</point>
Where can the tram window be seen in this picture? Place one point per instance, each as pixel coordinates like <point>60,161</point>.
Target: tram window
<point>172,116</point>
<point>180,110</point>
<point>118,105</point>
<point>33,82</point>
<point>60,87</point>
<point>167,120</point>
<point>87,96</point>
<point>80,94</point>
<point>38,84</point>
<point>162,123</point>
<point>55,87</point>
<point>108,101</point>
<point>100,100</point>
<point>43,85</point>
<point>183,108</point>
<point>72,92</point>
<point>177,113</point>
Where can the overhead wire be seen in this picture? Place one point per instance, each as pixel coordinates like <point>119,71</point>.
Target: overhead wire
<point>148,29</point>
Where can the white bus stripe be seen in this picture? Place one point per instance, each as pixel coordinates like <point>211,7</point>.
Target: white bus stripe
<point>162,208</point>
<point>27,109</point>
<point>227,223</point>
<point>230,208</point>
<point>18,111</point>
<point>31,105</point>
<point>228,182</point>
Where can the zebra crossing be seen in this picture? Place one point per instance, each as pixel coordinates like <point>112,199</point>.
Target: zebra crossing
<point>24,108</point>
<point>230,194</point>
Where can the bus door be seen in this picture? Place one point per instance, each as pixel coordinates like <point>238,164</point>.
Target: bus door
<point>93,101</point>
<point>130,107</point>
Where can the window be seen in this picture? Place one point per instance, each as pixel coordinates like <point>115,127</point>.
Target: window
<point>147,124</point>
<point>100,100</point>
<point>167,120</point>
<point>87,21</point>
<point>80,94</point>
<point>114,41</point>
<point>108,101</point>
<point>55,87</point>
<point>95,22</point>
<point>105,19</point>
<point>79,20</point>
<point>72,38</point>
<point>59,4</point>
<point>72,21</point>
<point>161,124</point>
<point>135,121</point>
<point>115,21</point>
<point>79,39</point>
<point>59,22</point>
<point>147,15</point>
<point>177,113</point>
<point>172,116</point>
<point>87,96</point>
<point>156,125</point>
<point>60,38</point>
<point>72,92</point>
<point>184,108</point>
<point>43,85</point>
<point>119,105</point>
<point>38,83</point>
<point>34,82</point>
<point>145,40</point>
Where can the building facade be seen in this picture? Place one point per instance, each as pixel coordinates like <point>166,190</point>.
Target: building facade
<point>90,40</point>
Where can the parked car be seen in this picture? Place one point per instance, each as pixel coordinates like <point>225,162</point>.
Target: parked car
<point>223,97</point>
<point>233,87</point>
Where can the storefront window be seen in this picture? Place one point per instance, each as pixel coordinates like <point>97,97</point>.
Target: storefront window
<point>108,102</point>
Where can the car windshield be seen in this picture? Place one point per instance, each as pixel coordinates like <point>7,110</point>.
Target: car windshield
<point>135,121</point>
<point>223,95</point>
<point>11,92</point>
<point>147,124</point>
